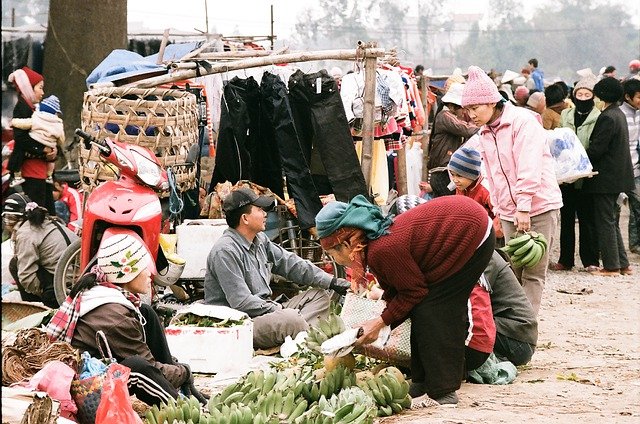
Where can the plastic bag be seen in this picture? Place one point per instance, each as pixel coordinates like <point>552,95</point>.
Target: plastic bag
<point>91,366</point>
<point>571,160</point>
<point>115,404</point>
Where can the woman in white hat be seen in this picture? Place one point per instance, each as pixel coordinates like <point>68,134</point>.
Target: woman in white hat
<point>107,299</point>
<point>450,130</point>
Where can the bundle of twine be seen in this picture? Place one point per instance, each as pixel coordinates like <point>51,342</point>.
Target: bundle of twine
<point>30,352</point>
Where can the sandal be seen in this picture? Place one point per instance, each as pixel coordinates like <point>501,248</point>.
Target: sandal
<point>557,266</point>
<point>591,268</point>
<point>423,401</point>
<point>602,272</point>
<point>626,271</point>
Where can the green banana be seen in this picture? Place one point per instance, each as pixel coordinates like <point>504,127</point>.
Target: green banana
<point>357,410</point>
<point>233,398</point>
<point>406,402</point>
<point>388,396</point>
<point>298,410</point>
<point>375,390</point>
<point>527,258</point>
<point>385,411</point>
<point>396,407</point>
<point>151,419</point>
<point>517,241</point>
<point>524,248</point>
<point>343,411</point>
<point>269,382</point>
<point>539,252</point>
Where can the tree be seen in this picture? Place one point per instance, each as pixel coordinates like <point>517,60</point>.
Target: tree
<point>80,35</point>
<point>335,24</point>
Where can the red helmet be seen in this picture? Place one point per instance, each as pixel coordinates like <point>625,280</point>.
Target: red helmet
<point>634,65</point>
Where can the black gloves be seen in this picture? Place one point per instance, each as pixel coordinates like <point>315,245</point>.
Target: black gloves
<point>189,389</point>
<point>340,286</point>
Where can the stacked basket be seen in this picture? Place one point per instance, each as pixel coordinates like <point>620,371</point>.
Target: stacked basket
<point>163,120</point>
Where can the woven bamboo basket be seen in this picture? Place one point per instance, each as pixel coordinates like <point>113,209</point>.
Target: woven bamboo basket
<point>162,120</point>
<point>12,311</point>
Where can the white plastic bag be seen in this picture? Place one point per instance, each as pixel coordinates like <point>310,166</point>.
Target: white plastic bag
<point>571,160</point>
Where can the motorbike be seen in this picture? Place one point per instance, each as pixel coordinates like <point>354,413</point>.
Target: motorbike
<point>129,204</point>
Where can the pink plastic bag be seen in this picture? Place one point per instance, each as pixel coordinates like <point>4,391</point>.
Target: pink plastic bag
<point>55,379</point>
<point>115,404</point>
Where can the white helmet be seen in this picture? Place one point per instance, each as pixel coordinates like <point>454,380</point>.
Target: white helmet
<point>169,275</point>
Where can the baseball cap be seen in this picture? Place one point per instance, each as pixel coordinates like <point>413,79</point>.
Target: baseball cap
<point>244,196</point>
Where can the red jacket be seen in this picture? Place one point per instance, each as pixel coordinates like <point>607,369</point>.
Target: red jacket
<point>481,334</point>
<point>480,194</point>
<point>424,245</point>
<point>73,199</point>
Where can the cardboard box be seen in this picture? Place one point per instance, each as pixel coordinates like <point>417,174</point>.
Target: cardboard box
<point>211,349</point>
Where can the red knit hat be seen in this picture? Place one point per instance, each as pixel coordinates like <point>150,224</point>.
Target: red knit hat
<point>34,77</point>
<point>479,89</point>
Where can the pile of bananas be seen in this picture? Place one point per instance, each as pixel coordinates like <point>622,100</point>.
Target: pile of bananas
<point>390,391</point>
<point>351,405</point>
<point>331,326</point>
<point>526,250</point>
<point>181,410</point>
<point>295,396</point>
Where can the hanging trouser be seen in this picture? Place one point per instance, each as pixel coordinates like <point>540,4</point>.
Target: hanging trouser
<point>233,162</point>
<point>277,111</point>
<point>261,142</point>
<point>325,127</point>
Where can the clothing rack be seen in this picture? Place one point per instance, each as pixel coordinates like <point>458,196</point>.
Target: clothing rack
<point>203,64</point>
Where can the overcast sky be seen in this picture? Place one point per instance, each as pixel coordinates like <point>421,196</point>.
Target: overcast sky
<point>240,17</point>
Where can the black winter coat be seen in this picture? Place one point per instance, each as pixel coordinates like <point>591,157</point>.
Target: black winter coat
<point>609,154</point>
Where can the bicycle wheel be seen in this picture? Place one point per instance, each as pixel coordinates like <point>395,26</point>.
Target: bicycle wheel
<point>67,271</point>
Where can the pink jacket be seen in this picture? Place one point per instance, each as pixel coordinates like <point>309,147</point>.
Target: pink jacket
<point>520,168</point>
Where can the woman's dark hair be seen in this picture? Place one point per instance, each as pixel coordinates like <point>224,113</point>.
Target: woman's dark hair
<point>233,217</point>
<point>36,216</point>
<point>85,282</point>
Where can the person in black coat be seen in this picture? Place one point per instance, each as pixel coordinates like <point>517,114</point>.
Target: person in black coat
<point>609,154</point>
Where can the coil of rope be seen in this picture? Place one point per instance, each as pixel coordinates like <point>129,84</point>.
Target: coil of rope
<point>30,352</point>
<point>175,201</point>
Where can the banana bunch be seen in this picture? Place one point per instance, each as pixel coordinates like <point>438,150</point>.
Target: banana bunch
<point>326,329</point>
<point>333,382</point>
<point>351,405</point>
<point>262,397</point>
<point>181,410</point>
<point>390,391</point>
<point>526,250</point>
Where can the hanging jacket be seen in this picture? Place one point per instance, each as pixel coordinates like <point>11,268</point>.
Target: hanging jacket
<point>520,168</point>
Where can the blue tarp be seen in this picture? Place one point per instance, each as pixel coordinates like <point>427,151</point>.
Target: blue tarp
<point>122,64</point>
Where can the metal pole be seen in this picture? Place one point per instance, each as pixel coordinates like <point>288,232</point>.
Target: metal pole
<point>271,27</point>
<point>13,16</point>
<point>206,18</point>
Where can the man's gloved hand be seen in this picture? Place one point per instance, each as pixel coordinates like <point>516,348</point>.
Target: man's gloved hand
<point>189,389</point>
<point>340,286</point>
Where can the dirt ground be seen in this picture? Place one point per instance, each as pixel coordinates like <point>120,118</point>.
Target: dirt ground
<point>587,365</point>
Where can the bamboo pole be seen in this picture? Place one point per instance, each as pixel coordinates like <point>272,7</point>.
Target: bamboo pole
<point>367,118</point>
<point>239,54</point>
<point>255,62</point>
<point>163,45</point>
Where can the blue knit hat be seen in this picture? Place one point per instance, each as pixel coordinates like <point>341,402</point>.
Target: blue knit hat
<point>465,162</point>
<point>50,105</point>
